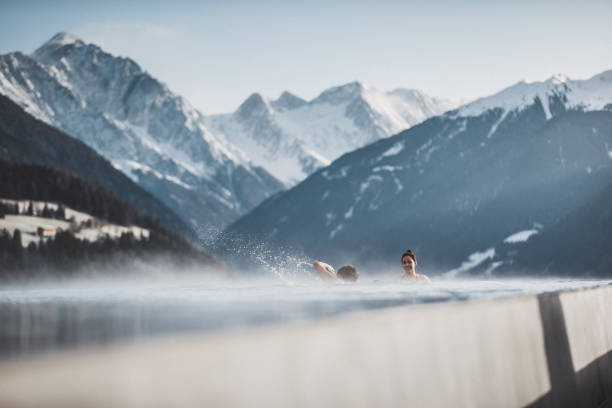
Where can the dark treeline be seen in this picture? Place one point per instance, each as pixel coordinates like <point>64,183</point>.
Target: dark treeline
<point>43,183</point>
<point>66,253</point>
<point>46,212</point>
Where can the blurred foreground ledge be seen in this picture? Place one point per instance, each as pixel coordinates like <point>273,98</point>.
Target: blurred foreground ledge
<point>550,350</point>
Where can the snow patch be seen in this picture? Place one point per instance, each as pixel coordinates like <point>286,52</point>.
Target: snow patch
<point>391,169</point>
<point>492,267</point>
<point>387,168</point>
<point>393,150</point>
<point>28,225</point>
<point>341,174</point>
<point>398,184</point>
<point>430,151</point>
<point>473,261</point>
<point>496,124</point>
<point>336,230</point>
<point>83,225</point>
<point>461,129</point>
<point>426,145</point>
<point>364,185</point>
<point>329,217</point>
<point>177,181</point>
<point>521,236</point>
<point>144,168</point>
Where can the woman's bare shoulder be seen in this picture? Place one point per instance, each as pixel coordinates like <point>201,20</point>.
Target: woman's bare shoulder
<point>423,278</point>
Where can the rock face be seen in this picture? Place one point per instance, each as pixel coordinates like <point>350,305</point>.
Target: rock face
<point>136,122</point>
<point>291,137</point>
<point>456,186</point>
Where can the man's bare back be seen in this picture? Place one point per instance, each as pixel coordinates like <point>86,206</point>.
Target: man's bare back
<point>325,271</point>
<point>347,273</point>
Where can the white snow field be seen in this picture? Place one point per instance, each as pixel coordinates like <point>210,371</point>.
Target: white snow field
<point>82,225</point>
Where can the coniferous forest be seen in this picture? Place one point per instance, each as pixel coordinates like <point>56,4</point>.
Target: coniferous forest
<point>66,254</point>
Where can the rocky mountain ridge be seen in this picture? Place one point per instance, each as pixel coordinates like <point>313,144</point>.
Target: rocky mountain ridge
<point>149,133</point>
<point>292,137</point>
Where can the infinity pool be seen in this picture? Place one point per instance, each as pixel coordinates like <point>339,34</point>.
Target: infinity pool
<point>48,317</point>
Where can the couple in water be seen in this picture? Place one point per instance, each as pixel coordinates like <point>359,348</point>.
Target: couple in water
<point>348,273</point>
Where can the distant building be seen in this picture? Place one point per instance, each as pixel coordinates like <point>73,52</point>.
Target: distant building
<point>47,232</point>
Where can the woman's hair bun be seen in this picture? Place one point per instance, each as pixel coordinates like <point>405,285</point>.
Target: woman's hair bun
<point>409,253</point>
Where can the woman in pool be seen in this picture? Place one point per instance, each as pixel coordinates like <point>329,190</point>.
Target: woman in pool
<point>409,264</point>
<point>347,273</point>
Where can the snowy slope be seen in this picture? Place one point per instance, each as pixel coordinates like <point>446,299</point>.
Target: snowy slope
<point>83,226</point>
<point>590,94</point>
<point>153,135</point>
<point>457,187</point>
<point>209,170</point>
<point>291,137</point>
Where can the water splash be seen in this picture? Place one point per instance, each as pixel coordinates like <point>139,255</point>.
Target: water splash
<point>256,256</point>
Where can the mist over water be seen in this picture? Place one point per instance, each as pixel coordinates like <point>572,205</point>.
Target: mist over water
<point>50,315</point>
<point>257,284</point>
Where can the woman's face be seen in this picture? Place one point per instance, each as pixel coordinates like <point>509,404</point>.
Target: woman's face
<point>408,264</point>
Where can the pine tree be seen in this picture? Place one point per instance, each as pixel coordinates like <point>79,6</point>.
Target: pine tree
<point>60,214</point>
<point>46,212</point>
<point>16,246</point>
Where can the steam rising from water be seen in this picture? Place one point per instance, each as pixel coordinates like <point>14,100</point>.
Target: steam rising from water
<point>161,297</point>
<point>78,313</point>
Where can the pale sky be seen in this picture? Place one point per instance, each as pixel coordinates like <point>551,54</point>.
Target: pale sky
<point>216,53</point>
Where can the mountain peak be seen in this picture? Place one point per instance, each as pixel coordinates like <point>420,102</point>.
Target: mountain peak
<point>341,93</point>
<point>254,105</point>
<point>60,39</point>
<point>56,42</point>
<point>289,101</point>
<point>559,79</point>
<point>354,85</point>
<point>405,92</point>
<point>518,96</point>
<point>585,94</point>
<point>64,38</point>
<point>605,76</point>
<point>65,51</point>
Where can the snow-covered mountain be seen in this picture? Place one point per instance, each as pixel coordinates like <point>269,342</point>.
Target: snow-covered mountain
<point>291,137</point>
<point>557,92</point>
<point>151,134</point>
<point>209,170</point>
<point>455,186</point>
<point>27,140</point>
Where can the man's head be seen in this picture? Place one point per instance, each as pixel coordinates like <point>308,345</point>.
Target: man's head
<point>348,273</point>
